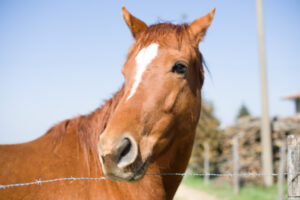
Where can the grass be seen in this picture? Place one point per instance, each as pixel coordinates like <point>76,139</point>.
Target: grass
<point>225,191</point>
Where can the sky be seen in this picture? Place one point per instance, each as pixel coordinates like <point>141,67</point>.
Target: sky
<point>63,58</point>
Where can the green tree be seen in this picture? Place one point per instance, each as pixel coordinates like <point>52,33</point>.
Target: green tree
<point>208,129</point>
<point>243,111</point>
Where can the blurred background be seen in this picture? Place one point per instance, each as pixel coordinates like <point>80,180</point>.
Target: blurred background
<point>59,59</point>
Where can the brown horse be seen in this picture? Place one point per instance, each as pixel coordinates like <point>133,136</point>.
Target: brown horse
<point>149,125</point>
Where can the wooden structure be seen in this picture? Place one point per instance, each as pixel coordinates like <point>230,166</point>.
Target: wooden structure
<point>293,163</point>
<point>296,98</point>
<point>236,166</point>
<point>206,162</point>
<point>248,131</point>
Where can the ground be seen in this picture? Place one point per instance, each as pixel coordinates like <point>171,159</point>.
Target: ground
<point>187,193</point>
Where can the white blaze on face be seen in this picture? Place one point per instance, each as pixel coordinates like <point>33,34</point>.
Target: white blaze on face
<point>143,59</point>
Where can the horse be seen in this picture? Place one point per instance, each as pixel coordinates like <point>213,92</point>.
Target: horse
<point>145,130</point>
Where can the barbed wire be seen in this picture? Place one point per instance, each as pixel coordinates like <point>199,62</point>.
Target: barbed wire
<point>219,175</point>
<point>39,182</point>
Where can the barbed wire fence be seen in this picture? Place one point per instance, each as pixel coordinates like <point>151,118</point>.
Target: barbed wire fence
<point>293,164</point>
<point>39,181</point>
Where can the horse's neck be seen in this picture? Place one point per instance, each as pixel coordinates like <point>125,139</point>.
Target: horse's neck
<point>79,136</point>
<point>175,160</point>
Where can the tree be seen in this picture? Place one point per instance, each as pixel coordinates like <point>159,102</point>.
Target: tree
<point>207,130</point>
<point>243,112</point>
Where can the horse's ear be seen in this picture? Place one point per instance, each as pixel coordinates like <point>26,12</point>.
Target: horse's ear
<point>135,25</point>
<point>198,27</point>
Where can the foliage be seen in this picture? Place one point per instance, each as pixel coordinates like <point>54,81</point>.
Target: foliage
<point>207,131</point>
<point>243,112</point>
<point>225,190</point>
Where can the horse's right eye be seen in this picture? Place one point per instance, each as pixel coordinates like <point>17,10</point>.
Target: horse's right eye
<point>179,68</point>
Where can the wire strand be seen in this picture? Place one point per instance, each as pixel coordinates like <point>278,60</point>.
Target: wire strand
<point>39,181</point>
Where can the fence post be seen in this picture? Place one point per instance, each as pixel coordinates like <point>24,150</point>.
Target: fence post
<point>281,169</point>
<point>206,162</point>
<point>236,166</point>
<point>293,163</point>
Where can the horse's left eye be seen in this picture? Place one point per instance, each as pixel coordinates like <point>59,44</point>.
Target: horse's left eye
<point>179,68</point>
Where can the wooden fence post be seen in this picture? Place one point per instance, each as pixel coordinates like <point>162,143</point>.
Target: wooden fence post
<point>293,163</point>
<point>236,166</point>
<point>206,162</point>
<point>281,170</point>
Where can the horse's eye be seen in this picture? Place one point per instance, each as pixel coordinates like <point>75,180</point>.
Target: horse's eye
<point>179,68</point>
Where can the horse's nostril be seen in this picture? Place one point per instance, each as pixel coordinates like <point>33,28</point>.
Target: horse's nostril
<point>124,148</point>
<point>127,152</point>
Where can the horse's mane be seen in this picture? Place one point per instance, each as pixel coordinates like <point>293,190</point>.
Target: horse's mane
<point>159,33</point>
<point>86,128</point>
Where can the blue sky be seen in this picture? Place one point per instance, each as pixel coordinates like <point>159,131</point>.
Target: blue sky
<point>59,59</point>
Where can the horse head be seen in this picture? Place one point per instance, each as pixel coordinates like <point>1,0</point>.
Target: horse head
<point>162,96</point>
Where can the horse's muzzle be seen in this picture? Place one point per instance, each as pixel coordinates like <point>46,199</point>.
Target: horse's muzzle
<point>119,157</point>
